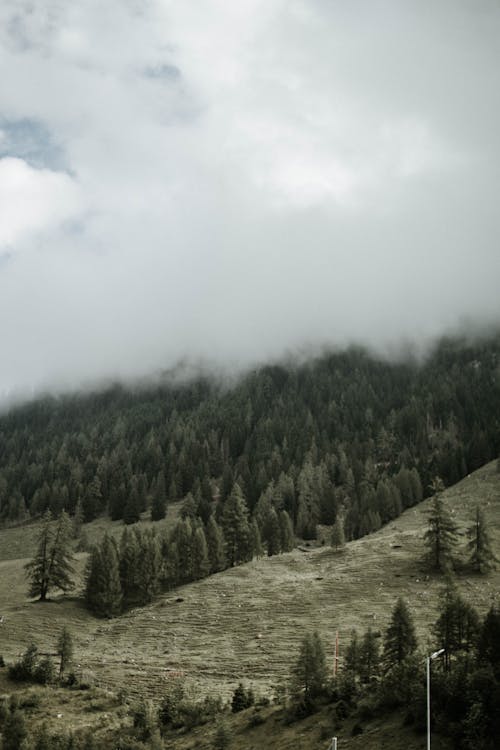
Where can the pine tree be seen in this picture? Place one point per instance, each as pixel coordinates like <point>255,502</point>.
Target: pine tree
<point>457,626</point>
<point>482,557</point>
<point>236,528</point>
<point>337,539</point>
<point>352,655</point>
<point>129,567</point>
<point>215,546</point>
<point>201,564</point>
<point>64,649</point>
<point>369,656</point>
<point>14,732</point>
<point>256,541</point>
<point>287,538</point>
<point>132,509</point>
<point>149,567</point>
<point>159,499</point>
<point>441,536</point>
<point>78,519</point>
<point>309,673</point>
<point>51,568</point>
<point>103,589</point>
<point>271,532</point>
<point>400,640</point>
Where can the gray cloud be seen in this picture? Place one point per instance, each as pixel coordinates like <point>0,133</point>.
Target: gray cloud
<point>229,181</point>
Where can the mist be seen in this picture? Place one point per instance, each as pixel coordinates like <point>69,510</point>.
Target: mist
<point>224,183</point>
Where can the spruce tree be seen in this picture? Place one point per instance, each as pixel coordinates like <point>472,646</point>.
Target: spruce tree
<point>441,536</point>
<point>51,568</point>
<point>103,588</point>
<point>215,546</point>
<point>271,532</point>
<point>337,539</point>
<point>309,673</point>
<point>149,566</point>
<point>369,656</point>
<point>159,499</point>
<point>287,538</point>
<point>482,557</point>
<point>400,640</point>
<point>201,563</point>
<point>129,567</point>
<point>236,528</point>
<point>256,541</point>
<point>64,649</point>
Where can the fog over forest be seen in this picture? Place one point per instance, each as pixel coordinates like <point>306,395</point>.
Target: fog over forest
<point>227,182</point>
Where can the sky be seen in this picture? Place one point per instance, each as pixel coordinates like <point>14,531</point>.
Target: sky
<point>227,182</point>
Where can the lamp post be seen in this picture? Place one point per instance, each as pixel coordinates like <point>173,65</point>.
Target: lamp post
<point>428,660</point>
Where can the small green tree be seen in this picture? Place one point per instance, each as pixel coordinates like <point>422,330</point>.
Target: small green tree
<point>337,539</point>
<point>441,536</point>
<point>236,528</point>
<point>287,537</point>
<point>309,672</point>
<point>369,656</point>
<point>482,557</point>
<point>64,649</point>
<point>215,546</point>
<point>103,591</point>
<point>51,568</point>
<point>400,640</point>
<point>15,733</point>
<point>159,499</point>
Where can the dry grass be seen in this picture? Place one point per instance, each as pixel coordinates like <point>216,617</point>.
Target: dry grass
<point>246,623</point>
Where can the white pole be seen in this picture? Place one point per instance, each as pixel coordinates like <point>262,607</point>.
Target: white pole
<point>428,703</point>
<point>333,746</point>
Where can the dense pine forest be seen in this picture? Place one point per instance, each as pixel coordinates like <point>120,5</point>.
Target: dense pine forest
<point>346,432</point>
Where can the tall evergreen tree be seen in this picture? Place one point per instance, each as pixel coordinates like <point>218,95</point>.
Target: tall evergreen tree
<point>64,649</point>
<point>441,535</point>
<point>400,640</point>
<point>159,499</point>
<point>369,656</point>
<point>482,557</point>
<point>309,673</point>
<point>287,538</point>
<point>236,528</point>
<point>337,539</point>
<point>201,563</point>
<point>215,546</point>
<point>103,588</point>
<point>51,568</point>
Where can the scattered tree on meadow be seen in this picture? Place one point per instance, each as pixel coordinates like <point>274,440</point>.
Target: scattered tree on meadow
<point>309,673</point>
<point>400,640</point>
<point>337,539</point>
<point>103,590</point>
<point>51,568</point>
<point>482,557</point>
<point>457,626</point>
<point>369,656</point>
<point>441,536</point>
<point>287,537</point>
<point>64,649</point>
<point>215,546</point>
<point>237,532</point>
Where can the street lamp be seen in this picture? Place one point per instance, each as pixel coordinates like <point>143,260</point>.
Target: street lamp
<point>428,660</point>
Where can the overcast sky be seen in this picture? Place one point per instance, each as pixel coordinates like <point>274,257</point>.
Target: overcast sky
<point>229,180</point>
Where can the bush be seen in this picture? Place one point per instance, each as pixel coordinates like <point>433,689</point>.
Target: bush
<point>44,672</point>
<point>241,699</point>
<point>256,719</point>
<point>222,737</point>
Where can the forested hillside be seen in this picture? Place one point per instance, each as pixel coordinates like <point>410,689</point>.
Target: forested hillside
<point>344,431</point>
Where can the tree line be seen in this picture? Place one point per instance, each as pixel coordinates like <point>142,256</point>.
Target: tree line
<point>344,433</point>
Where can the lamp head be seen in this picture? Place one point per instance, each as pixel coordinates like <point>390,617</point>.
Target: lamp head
<point>438,653</point>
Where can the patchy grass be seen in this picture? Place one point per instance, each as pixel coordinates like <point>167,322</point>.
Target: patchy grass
<point>247,623</point>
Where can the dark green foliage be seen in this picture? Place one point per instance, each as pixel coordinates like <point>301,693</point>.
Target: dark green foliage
<point>309,672</point>
<point>32,668</point>
<point>14,731</point>
<point>457,627</point>
<point>64,649</point>
<point>287,538</point>
<point>482,557</point>
<point>400,640</point>
<point>215,546</point>
<point>51,568</point>
<point>159,499</point>
<point>241,699</point>
<point>103,592</point>
<point>337,539</point>
<point>441,536</point>
<point>236,528</point>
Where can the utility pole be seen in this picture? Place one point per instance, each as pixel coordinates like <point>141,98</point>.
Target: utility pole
<point>428,660</point>
<point>333,745</point>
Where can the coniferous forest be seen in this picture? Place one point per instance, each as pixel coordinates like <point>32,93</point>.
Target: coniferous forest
<point>347,432</point>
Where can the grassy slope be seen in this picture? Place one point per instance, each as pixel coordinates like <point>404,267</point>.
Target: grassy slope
<point>247,623</point>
